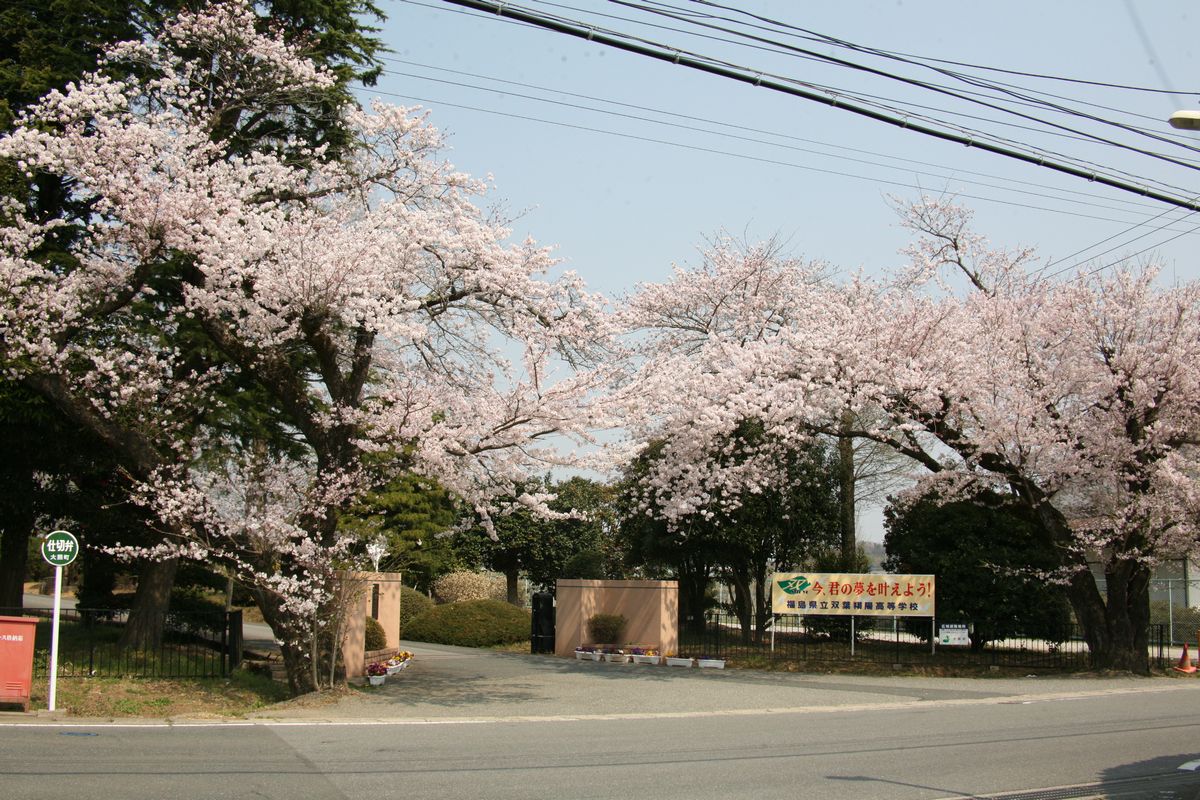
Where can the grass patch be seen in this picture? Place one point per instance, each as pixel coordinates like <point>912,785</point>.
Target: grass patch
<point>882,669</point>
<point>235,696</point>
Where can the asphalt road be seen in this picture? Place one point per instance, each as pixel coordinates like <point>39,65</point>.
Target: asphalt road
<point>462,723</point>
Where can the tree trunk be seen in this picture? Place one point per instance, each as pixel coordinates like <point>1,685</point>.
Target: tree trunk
<point>1116,624</point>
<point>739,579</point>
<point>762,601</point>
<point>148,616</point>
<point>512,589</point>
<point>693,586</point>
<point>295,637</point>
<point>846,495</point>
<point>16,528</point>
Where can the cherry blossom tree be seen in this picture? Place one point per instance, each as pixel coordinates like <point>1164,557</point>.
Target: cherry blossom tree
<point>1079,398</point>
<point>365,295</point>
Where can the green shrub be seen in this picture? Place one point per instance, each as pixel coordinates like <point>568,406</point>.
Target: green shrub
<point>412,605</point>
<point>474,623</point>
<point>376,637</point>
<point>606,628</point>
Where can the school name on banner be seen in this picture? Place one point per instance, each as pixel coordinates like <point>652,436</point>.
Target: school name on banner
<point>852,594</point>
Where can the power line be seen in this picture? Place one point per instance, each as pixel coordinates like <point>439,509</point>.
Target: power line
<point>1166,225</point>
<point>736,136</point>
<point>939,89</point>
<point>1042,153</point>
<point>930,59</point>
<point>1018,98</point>
<point>582,31</point>
<point>747,157</point>
<point>906,113</point>
<point>1123,259</point>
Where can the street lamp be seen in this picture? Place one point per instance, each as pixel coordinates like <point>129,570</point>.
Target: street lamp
<point>1187,120</point>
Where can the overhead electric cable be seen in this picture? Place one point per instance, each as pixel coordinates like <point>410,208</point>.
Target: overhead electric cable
<point>692,118</point>
<point>757,159</point>
<point>970,134</point>
<point>956,174</point>
<point>1018,97</point>
<point>1155,246</point>
<point>1018,73</point>
<point>1165,226</point>
<point>946,91</point>
<point>582,31</point>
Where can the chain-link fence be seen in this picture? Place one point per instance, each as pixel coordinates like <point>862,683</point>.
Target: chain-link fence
<point>1175,604</point>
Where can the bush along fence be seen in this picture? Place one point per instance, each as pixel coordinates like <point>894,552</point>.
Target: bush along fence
<point>194,644</point>
<point>886,641</point>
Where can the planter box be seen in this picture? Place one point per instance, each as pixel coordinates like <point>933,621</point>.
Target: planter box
<point>646,659</point>
<point>672,661</point>
<point>582,655</point>
<point>377,680</point>
<point>711,663</point>
<point>616,658</point>
<point>398,668</point>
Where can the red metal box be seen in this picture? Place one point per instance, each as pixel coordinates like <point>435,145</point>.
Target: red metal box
<point>16,659</point>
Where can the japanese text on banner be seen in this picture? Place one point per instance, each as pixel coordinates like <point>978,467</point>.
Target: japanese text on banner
<point>867,595</point>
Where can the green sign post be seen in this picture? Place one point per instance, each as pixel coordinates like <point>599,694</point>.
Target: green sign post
<point>59,548</point>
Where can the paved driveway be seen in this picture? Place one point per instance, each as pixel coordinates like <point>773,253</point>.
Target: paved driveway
<point>453,683</point>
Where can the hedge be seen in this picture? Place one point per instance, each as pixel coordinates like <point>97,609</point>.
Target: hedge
<point>472,623</point>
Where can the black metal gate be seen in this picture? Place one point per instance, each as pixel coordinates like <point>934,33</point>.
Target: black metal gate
<point>541,632</point>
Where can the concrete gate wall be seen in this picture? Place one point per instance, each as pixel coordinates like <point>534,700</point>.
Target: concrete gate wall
<point>359,588</point>
<point>651,609</point>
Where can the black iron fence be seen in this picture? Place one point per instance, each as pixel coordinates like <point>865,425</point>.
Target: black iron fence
<point>193,644</point>
<point>886,641</point>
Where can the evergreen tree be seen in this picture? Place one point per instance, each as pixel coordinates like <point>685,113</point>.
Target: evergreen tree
<point>990,561</point>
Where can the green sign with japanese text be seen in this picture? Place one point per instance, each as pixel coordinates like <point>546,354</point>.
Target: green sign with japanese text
<point>60,548</point>
<point>852,594</point>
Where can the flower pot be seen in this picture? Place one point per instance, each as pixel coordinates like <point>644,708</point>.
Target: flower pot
<point>672,661</point>
<point>710,663</point>
<point>596,656</point>
<point>581,655</point>
<point>377,680</point>
<point>616,658</point>
<point>392,670</point>
<point>646,659</point>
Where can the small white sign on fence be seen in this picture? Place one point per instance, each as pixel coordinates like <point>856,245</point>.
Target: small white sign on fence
<point>954,636</point>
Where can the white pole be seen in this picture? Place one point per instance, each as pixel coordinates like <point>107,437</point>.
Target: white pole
<point>852,636</point>
<point>54,637</point>
<point>1171,609</point>
<point>773,619</point>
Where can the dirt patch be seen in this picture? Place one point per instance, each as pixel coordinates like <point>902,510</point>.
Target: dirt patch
<point>325,697</point>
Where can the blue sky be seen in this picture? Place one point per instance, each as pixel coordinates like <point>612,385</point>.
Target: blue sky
<point>622,208</point>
